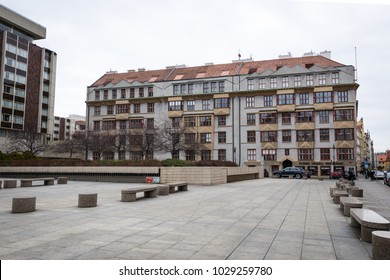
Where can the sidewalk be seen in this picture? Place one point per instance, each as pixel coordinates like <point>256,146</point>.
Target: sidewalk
<point>271,219</point>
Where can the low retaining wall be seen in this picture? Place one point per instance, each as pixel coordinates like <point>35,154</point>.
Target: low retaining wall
<point>193,175</point>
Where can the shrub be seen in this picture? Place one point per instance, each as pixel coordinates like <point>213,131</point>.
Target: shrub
<point>175,162</point>
<point>215,163</point>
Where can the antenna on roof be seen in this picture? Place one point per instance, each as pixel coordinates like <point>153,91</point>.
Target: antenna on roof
<point>239,54</point>
<point>356,73</point>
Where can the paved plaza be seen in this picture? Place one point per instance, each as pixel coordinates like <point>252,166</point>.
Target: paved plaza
<point>270,219</point>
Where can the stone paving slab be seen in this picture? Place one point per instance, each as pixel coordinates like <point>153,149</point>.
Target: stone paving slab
<point>271,219</point>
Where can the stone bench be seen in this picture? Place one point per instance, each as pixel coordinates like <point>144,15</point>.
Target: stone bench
<point>338,194</point>
<point>181,186</point>
<point>332,190</point>
<point>28,182</point>
<point>368,221</point>
<point>8,184</point>
<point>131,194</point>
<point>23,204</point>
<point>87,200</point>
<point>346,203</point>
<point>62,180</point>
<point>356,192</point>
<point>162,189</point>
<point>381,245</point>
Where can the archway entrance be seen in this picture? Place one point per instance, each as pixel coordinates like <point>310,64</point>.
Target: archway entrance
<point>287,163</point>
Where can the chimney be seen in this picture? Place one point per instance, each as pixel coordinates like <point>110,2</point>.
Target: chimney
<point>326,54</point>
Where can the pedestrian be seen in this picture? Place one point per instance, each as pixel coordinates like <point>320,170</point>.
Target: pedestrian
<point>350,175</point>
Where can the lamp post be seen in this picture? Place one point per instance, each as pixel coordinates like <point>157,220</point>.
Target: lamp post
<point>334,156</point>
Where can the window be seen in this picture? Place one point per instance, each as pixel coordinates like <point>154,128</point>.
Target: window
<point>150,91</point>
<point>344,115</point>
<point>323,97</point>
<point>205,137</point>
<point>251,154</point>
<point>251,119</point>
<point>123,93</point>
<point>286,135</point>
<point>303,98</point>
<point>285,99</point>
<point>190,88</point>
<point>221,103</point>
<point>221,85</point>
<point>251,84</point>
<point>251,136</point>
<point>176,122</point>
<point>114,94</point>
<point>267,101</point>
<point>205,87</point>
<point>262,83</point>
<point>175,105</point>
<point>325,170</point>
<point>137,108</point>
<point>150,123</point>
<point>335,78</point>
<point>190,105</point>
<point>6,118</point>
<point>266,118</point>
<point>122,108</point>
<point>175,89</point>
<point>325,153</point>
<point>221,120</point>
<point>205,155</point>
<point>273,83</point>
<point>206,104</point>
<point>305,135</point>
<point>150,107</point>
<point>110,109</point>
<point>322,79</point>
<point>205,120</point>
<point>190,155</point>
<point>309,80</point>
<point>324,134</point>
<point>269,154</point>
<point>108,125</point>
<point>285,82</point>
<point>345,154</point>
<point>286,152</point>
<point>342,96</point>
<point>344,134</point>
<point>268,136</point>
<point>221,154</point>
<point>96,125</point>
<point>305,116</point>
<point>213,86</point>
<point>105,95</point>
<point>190,138</point>
<point>183,89</point>
<point>250,101</point>
<point>297,81</point>
<point>136,123</point>
<point>123,125</point>
<point>190,121</point>
<point>97,95</point>
<point>97,111</point>
<point>222,137</point>
<point>286,118</point>
<point>324,116</point>
<point>305,154</point>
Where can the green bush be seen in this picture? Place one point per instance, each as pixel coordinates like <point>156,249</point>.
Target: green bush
<point>175,162</point>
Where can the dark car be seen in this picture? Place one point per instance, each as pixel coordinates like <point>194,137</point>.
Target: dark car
<point>337,174</point>
<point>292,171</point>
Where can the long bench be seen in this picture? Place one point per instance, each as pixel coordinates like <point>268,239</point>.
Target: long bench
<point>28,182</point>
<point>131,194</point>
<point>381,245</point>
<point>181,186</point>
<point>337,195</point>
<point>346,203</point>
<point>368,221</point>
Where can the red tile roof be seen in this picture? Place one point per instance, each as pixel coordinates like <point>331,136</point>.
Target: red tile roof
<point>212,71</point>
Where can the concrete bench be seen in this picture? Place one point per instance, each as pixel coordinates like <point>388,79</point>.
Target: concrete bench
<point>28,182</point>
<point>23,204</point>
<point>162,189</point>
<point>332,190</point>
<point>381,245</point>
<point>338,194</point>
<point>181,186</point>
<point>131,194</point>
<point>62,180</point>
<point>368,221</point>
<point>87,200</point>
<point>346,203</point>
<point>356,192</point>
<point>8,184</point>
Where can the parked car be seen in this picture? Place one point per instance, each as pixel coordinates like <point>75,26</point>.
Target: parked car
<point>379,175</point>
<point>386,179</point>
<point>337,174</point>
<point>292,171</point>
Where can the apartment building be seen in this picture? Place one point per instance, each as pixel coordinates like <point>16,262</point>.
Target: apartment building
<point>27,77</point>
<point>291,111</point>
<point>64,128</point>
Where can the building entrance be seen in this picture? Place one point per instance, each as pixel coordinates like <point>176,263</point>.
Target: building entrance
<point>287,163</point>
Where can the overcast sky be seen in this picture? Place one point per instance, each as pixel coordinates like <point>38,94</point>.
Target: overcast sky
<point>92,37</point>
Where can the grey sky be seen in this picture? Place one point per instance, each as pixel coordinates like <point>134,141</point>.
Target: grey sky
<point>92,37</point>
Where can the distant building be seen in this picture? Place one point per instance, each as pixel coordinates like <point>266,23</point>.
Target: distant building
<point>291,111</point>
<point>27,77</point>
<point>64,128</point>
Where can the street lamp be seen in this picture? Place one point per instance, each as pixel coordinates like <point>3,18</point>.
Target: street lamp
<point>334,156</point>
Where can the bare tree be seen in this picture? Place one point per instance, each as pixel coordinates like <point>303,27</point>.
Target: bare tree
<point>23,141</point>
<point>171,137</point>
<point>101,142</point>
